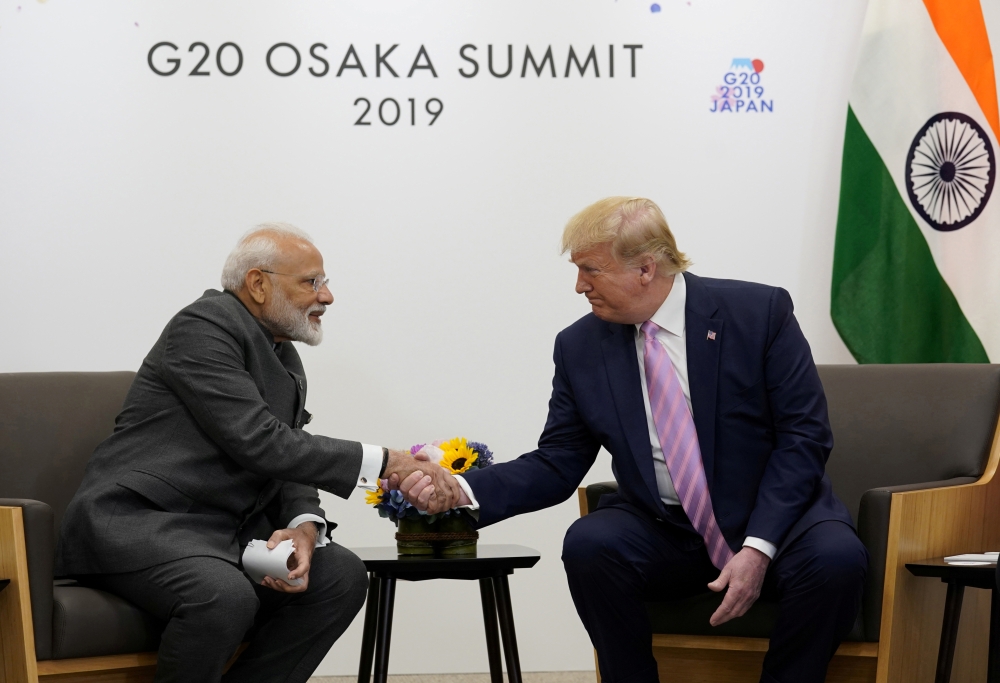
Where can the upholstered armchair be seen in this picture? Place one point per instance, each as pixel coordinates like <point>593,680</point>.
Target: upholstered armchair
<point>914,459</point>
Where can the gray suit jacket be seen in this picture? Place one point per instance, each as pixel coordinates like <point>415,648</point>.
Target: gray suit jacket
<point>207,452</point>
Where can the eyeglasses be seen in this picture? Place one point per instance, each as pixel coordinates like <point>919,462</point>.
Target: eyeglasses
<point>316,283</point>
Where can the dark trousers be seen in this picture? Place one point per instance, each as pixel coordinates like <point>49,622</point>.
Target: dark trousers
<point>209,606</point>
<point>617,558</point>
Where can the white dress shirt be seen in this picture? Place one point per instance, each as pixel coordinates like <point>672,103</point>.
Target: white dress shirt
<point>671,320</point>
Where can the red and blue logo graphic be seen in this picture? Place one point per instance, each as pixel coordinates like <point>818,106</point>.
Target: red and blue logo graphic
<point>742,91</point>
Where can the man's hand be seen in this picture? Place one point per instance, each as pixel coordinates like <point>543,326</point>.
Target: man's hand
<point>436,490</point>
<point>418,490</point>
<point>744,574</point>
<point>304,541</point>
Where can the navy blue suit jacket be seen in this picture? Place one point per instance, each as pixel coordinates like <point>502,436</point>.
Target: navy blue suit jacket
<point>758,404</point>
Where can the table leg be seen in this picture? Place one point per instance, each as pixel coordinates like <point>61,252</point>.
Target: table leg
<point>368,633</point>
<point>502,589</point>
<point>492,634</point>
<point>949,631</point>
<point>386,599</point>
<point>993,668</point>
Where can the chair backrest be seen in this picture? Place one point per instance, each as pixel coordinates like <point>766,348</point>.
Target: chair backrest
<point>50,423</point>
<point>908,424</point>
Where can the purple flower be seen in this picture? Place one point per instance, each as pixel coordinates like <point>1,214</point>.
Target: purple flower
<point>416,449</point>
<point>485,458</point>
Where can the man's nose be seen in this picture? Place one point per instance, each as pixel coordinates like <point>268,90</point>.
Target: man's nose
<point>325,296</point>
<point>582,285</point>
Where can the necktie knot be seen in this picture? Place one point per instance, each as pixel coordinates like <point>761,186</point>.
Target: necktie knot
<point>649,329</point>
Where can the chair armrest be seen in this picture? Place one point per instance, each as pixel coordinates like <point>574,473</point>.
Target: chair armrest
<point>873,530</point>
<point>591,495</point>
<point>933,520</point>
<point>39,541</point>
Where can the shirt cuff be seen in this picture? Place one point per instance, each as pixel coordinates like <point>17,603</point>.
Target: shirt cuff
<point>321,539</point>
<point>760,544</point>
<point>371,466</point>
<point>468,491</point>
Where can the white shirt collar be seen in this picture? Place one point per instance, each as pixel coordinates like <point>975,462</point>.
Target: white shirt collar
<point>670,316</point>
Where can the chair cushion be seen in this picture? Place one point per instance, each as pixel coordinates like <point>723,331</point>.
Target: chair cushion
<point>906,424</point>
<point>50,423</point>
<point>690,618</point>
<point>88,623</point>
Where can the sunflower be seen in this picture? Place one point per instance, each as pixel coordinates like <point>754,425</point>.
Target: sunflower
<point>374,497</point>
<point>458,457</point>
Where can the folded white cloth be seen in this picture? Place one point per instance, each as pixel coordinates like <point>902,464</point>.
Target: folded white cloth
<point>972,557</point>
<point>259,562</point>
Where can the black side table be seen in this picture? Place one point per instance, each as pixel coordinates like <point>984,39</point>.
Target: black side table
<point>490,566</point>
<point>958,576</point>
<point>3,584</point>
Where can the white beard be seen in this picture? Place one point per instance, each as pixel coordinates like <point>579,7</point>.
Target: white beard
<point>284,320</point>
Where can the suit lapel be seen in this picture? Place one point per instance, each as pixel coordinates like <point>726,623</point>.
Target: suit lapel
<point>622,365</point>
<point>300,388</point>
<point>290,360</point>
<point>704,342</point>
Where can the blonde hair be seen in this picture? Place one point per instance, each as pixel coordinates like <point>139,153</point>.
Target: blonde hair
<point>635,227</point>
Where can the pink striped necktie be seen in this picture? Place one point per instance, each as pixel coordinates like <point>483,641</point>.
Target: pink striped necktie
<point>679,440</point>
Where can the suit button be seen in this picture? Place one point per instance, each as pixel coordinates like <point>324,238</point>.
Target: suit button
<point>301,384</point>
<point>298,424</point>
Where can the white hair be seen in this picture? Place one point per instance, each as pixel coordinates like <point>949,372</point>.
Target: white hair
<point>258,248</point>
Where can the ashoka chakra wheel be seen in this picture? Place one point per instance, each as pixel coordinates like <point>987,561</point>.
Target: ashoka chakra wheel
<point>950,171</point>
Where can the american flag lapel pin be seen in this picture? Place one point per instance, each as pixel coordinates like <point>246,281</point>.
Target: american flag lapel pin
<point>711,335</point>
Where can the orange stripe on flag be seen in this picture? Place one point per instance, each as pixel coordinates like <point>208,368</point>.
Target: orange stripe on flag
<point>960,25</point>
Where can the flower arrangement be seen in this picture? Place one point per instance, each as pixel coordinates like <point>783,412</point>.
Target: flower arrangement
<point>456,455</point>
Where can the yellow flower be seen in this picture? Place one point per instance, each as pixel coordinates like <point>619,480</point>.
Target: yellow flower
<point>458,457</point>
<point>374,497</point>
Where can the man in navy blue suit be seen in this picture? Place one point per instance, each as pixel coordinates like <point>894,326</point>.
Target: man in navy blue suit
<point>705,393</point>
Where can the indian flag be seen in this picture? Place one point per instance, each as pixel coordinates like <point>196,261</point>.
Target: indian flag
<point>916,270</point>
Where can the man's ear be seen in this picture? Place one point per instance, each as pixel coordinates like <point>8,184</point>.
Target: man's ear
<point>647,271</point>
<point>256,285</point>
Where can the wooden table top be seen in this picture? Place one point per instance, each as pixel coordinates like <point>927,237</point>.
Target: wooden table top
<point>489,560</point>
<point>975,575</point>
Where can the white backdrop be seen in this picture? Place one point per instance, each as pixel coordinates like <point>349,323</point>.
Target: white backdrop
<point>122,191</point>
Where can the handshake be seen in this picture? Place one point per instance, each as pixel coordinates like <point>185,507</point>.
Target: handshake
<point>426,485</point>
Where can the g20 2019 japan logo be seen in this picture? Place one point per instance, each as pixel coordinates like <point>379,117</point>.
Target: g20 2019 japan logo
<point>950,170</point>
<point>742,90</point>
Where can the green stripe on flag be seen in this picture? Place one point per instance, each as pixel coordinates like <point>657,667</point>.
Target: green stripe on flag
<point>888,301</point>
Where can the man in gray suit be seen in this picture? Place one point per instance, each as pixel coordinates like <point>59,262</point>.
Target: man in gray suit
<point>209,453</point>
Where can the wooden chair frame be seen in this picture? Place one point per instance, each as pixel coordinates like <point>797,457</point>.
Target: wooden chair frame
<point>922,524</point>
<point>17,635</point>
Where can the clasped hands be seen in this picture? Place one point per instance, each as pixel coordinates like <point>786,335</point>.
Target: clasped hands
<point>425,484</point>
